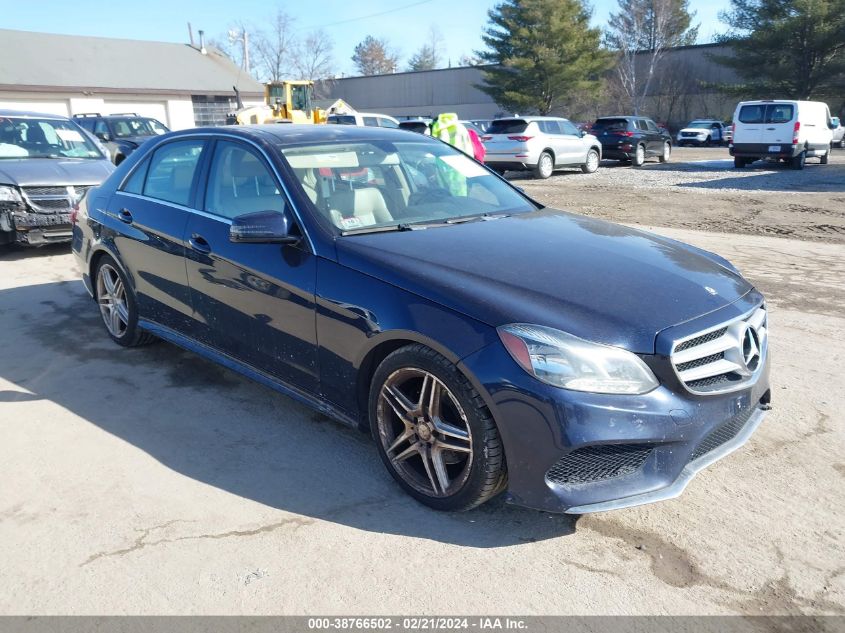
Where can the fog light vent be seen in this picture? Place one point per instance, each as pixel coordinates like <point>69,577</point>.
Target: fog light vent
<point>599,463</point>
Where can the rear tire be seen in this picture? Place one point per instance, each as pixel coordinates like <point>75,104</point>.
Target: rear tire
<point>411,445</point>
<point>739,163</point>
<point>825,158</point>
<point>798,161</point>
<point>639,156</point>
<point>118,306</point>
<point>545,166</point>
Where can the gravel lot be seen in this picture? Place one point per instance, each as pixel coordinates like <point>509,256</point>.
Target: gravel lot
<point>700,189</point>
<point>151,481</point>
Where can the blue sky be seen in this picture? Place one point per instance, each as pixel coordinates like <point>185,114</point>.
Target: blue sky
<point>405,23</point>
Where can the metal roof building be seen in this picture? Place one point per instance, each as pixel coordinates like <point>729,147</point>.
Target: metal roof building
<point>178,84</point>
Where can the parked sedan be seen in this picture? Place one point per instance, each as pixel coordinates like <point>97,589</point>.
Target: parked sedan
<point>539,144</point>
<point>632,139</point>
<point>384,278</point>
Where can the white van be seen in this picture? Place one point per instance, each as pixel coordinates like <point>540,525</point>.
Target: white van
<point>786,130</point>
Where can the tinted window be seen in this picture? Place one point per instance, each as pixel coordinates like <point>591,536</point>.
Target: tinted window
<point>651,125</point>
<point>171,171</point>
<point>240,182</point>
<point>507,126</point>
<point>641,125</point>
<point>101,127</point>
<point>549,127</point>
<point>766,113</point>
<point>387,123</point>
<point>569,128</point>
<point>135,182</point>
<point>370,121</point>
<point>610,125</point>
<point>88,124</point>
<point>342,120</point>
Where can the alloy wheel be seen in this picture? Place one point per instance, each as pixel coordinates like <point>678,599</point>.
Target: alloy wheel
<point>111,296</point>
<point>667,152</point>
<point>640,154</point>
<point>592,161</point>
<point>424,432</point>
<point>546,165</point>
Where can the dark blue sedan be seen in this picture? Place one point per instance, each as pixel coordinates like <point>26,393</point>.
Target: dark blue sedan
<point>486,342</point>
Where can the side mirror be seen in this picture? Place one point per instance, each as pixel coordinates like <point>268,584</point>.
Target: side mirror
<point>583,133</point>
<point>264,227</point>
<point>834,123</point>
<point>104,136</point>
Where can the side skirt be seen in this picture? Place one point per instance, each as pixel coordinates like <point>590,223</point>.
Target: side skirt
<point>249,371</point>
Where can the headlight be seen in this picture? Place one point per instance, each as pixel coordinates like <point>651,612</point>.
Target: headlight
<point>9,194</point>
<point>563,360</point>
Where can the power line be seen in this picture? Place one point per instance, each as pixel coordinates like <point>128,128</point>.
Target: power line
<point>372,15</point>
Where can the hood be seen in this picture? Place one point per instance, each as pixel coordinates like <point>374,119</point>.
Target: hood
<point>135,141</point>
<point>600,281</point>
<point>25,172</point>
<point>704,130</point>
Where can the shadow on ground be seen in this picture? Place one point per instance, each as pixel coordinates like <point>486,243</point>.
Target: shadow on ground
<point>14,252</point>
<point>209,424</point>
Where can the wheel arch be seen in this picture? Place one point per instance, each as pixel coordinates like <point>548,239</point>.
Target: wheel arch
<point>97,254</point>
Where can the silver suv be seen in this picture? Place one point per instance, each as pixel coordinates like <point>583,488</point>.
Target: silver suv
<point>541,144</point>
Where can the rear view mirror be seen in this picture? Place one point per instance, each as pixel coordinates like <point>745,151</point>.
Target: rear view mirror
<point>264,227</point>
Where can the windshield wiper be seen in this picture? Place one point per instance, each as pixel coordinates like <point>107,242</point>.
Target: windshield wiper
<point>472,218</point>
<point>381,229</point>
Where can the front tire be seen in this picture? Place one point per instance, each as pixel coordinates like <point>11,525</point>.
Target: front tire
<point>667,153</point>
<point>545,166</point>
<point>592,163</point>
<point>433,431</point>
<point>118,307</point>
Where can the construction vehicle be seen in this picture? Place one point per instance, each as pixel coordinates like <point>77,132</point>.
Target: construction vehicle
<point>284,102</point>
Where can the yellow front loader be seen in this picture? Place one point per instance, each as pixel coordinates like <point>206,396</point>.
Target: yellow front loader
<point>284,102</point>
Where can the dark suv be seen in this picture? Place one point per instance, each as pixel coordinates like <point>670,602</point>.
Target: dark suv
<point>121,133</point>
<point>632,139</point>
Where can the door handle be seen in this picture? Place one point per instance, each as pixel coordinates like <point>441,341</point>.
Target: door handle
<point>199,244</point>
<point>769,129</point>
<point>124,215</point>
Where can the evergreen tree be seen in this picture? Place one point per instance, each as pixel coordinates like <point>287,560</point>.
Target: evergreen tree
<point>786,48</point>
<point>374,57</point>
<point>545,52</point>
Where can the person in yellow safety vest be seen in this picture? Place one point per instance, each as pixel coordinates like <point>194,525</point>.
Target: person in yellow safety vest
<point>449,129</point>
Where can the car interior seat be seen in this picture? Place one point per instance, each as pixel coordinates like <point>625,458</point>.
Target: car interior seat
<point>366,205</point>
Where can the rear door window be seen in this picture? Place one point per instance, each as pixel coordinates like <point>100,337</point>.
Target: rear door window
<point>766,113</point>
<point>509,126</point>
<point>387,123</point>
<point>642,126</point>
<point>342,120</point>
<point>652,126</point>
<point>549,127</point>
<point>171,173</point>
<point>370,121</point>
<point>610,125</point>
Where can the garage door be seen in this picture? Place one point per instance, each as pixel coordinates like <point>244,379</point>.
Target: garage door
<point>47,107</point>
<point>143,108</point>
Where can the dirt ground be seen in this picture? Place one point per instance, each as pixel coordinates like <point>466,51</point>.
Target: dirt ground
<point>150,481</point>
<point>700,189</point>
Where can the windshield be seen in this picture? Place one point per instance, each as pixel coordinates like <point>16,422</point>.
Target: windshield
<point>44,138</point>
<point>699,123</point>
<point>377,184</point>
<point>122,128</point>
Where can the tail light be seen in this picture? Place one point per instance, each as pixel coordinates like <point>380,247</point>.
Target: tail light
<point>521,139</point>
<point>626,133</point>
<point>795,131</point>
<point>74,214</point>
<point>486,137</point>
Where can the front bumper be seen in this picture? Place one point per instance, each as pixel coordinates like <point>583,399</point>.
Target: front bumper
<point>35,228</point>
<point>579,452</point>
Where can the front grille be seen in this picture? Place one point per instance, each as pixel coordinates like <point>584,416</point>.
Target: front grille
<point>55,198</point>
<point>723,433</point>
<point>599,463</point>
<point>724,358</point>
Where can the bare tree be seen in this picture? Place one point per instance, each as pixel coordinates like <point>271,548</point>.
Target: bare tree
<point>313,56</point>
<point>640,33</point>
<point>275,48</point>
<point>375,57</point>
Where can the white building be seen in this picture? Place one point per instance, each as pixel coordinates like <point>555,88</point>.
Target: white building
<point>177,84</point>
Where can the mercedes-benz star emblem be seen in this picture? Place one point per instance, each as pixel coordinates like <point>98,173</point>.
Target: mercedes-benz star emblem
<point>751,348</point>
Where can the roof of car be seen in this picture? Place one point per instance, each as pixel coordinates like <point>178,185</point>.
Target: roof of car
<point>531,118</point>
<point>622,116</point>
<point>31,115</point>
<point>305,133</point>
